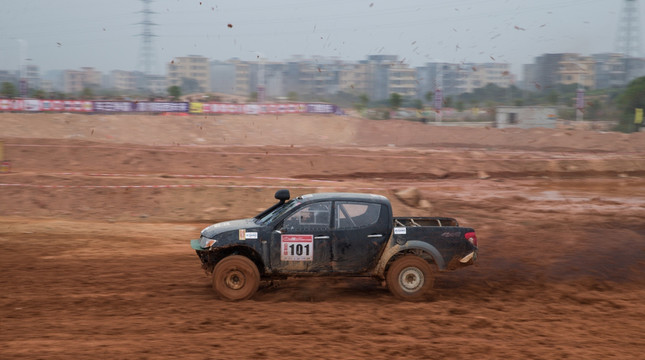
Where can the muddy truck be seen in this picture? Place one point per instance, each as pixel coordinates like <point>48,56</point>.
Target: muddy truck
<point>337,234</point>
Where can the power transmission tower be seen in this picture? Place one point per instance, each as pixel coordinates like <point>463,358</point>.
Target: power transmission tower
<point>629,35</point>
<point>146,52</point>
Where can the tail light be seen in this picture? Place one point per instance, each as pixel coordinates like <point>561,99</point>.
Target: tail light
<point>472,237</point>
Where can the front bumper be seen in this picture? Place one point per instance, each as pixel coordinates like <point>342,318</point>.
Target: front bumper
<point>195,245</point>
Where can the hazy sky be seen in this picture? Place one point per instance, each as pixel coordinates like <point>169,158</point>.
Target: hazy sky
<point>71,34</point>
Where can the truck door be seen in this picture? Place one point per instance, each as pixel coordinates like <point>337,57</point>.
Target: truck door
<point>302,241</point>
<point>361,229</point>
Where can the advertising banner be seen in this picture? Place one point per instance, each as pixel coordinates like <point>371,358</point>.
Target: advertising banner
<point>580,99</point>
<point>438,99</point>
<point>321,108</point>
<point>638,116</point>
<point>113,106</point>
<point>149,106</point>
<point>196,108</point>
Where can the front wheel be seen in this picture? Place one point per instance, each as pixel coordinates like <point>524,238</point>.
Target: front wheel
<point>236,277</point>
<point>410,277</point>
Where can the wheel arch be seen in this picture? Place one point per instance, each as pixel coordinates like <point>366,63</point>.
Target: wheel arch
<point>419,248</point>
<point>245,251</point>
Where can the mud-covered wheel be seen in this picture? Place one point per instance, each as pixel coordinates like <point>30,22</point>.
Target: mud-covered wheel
<point>236,278</point>
<point>410,278</point>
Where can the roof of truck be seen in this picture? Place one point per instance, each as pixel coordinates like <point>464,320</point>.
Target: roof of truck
<point>345,196</point>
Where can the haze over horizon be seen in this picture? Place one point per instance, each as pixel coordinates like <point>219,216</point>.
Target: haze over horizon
<point>103,35</point>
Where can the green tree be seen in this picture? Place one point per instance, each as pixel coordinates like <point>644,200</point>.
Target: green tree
<point>417,104</point>
<point>38,94</point>
<point>395,101</point>
<point>553,97</point>
<point>174,92</point>
<point>253,96</point>
<point>87,93</point>
<point>448,101</point>
<point>632,98</point>
<point>292,96</point>
<point>364,100</point>
<point>9,90</point>
<point>429,96</point>
<point>460,106</point>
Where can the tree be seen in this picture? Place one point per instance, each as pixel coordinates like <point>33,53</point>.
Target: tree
<point>292,96</point>
<point>9,90</point>
<point>460,106</point>
<point>429,96</point>
<point>38,94</point>
<point>448,101</point>
<point>553,97</point>
<point>174,92</point>
<point>395,101</point>
<point>632,98</point>
<point>417,104</point>
<point>253,96</point>
<point>364,100</point>
<point>87,93</point>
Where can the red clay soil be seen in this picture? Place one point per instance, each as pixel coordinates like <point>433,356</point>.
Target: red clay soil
<point>97,213</point>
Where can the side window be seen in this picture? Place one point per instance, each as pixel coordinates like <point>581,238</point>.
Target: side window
<point>314,215</point>
<point>356,215</point>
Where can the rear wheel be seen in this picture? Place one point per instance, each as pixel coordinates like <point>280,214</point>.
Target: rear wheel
<point>236,277</point>
<point>410,278</point>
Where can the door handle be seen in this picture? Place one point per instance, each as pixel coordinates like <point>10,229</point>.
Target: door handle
<point>321,237</point>
<point>375,235</point>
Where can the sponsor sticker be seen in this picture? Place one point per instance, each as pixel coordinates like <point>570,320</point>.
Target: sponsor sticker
<point>400,231</point>
<point>242,234</point>
<point>297,248</point>
<point>251,235</point>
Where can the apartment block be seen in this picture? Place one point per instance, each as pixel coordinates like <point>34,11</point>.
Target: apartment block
<point>577,69</point>
<point>193,67</point>
<point>74,81</point>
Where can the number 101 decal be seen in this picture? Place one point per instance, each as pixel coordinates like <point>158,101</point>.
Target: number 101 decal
<point>297,248</point>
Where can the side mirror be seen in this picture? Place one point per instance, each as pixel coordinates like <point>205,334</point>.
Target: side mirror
<point>282,195</point>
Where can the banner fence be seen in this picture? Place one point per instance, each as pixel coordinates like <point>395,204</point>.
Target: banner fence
<point>84,106</point>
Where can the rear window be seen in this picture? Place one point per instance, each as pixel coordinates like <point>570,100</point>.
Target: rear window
<point>356,215</point>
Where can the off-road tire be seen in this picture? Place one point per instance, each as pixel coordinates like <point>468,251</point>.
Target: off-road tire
<point>410,278</point>
<point>236,278</point>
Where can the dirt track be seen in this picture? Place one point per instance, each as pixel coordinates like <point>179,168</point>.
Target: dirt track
<point>96,216</point>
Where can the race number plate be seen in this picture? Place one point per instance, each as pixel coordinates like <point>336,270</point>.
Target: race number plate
<point>297,248</point>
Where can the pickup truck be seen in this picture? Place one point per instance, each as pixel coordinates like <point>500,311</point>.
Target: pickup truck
<point>342,234</point>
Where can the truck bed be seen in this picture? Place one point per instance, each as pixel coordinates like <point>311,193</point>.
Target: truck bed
<point>424,221</point>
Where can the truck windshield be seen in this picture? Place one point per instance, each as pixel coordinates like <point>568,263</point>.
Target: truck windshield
<point>277,212</point>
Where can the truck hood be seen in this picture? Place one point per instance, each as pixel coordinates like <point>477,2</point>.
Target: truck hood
<point>219,228</point>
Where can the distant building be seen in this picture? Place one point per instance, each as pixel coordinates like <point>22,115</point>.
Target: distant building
<point>387,75</point>
<point>193,67</point>
<point>456,79</point>
<point>610,70</point>
<point>74,81</point>
<point>354,79</point>
<point>525,117</point>
<point>123,81</point>
<point>156,84</point>
<point>576,69</point>
<point>222,77</point>
<point>242,79</point>
<point>32,76</point>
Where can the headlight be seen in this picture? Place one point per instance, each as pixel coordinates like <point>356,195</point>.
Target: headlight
<point>209,243</point>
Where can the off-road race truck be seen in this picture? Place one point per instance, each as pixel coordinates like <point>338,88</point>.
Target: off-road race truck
<point>342,234</point>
